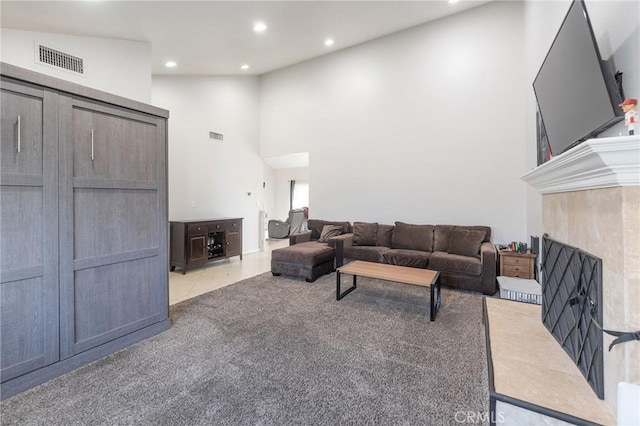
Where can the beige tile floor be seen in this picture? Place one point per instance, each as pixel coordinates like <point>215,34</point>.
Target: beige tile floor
<point>221,273</point>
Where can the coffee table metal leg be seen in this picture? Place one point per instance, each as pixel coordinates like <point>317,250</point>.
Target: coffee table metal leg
<point>435,301</point>
<point>347,291</point>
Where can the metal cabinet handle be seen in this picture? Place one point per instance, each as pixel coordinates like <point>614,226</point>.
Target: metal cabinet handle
<point>92,157</point>
<point>19,147</point>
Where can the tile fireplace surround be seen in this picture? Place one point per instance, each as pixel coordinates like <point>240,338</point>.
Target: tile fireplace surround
<point>591,200</point>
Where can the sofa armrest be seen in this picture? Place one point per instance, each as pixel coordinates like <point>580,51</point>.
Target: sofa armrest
<point>488,258</point>
<point>339,243</point>
<point>299,238</point>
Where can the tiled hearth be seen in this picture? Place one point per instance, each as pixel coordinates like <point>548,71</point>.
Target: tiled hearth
<point>591,200</point>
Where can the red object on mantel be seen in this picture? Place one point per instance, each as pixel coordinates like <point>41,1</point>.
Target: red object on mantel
<point>628,101</point>
<point>630,108</point>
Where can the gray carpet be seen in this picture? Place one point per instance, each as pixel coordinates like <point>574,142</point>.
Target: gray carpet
<point>280,351</point>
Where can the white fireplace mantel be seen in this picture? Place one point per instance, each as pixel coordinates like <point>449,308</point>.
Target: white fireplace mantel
<point>595,163</point>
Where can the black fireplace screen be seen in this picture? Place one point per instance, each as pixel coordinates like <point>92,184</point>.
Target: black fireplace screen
<point>572,306</point>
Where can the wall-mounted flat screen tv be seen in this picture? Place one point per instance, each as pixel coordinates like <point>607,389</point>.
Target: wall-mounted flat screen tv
<point>576,92</point>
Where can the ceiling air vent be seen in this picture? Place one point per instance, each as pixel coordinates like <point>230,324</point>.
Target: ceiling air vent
<point>216,136</point>
<point>58,59</point>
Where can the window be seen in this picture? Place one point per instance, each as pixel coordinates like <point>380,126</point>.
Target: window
<point>299,194</point>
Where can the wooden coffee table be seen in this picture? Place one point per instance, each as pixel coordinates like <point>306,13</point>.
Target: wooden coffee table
<point>401,274</point>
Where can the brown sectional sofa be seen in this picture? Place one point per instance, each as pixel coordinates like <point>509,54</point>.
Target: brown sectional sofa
<point>464,255</point>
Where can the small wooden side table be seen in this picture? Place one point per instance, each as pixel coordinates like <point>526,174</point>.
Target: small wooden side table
<point>514,264</point>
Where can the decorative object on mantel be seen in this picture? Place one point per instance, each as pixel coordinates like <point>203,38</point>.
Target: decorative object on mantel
<point>630,108</point>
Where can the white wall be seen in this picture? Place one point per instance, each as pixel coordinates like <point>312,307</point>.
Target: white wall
<point>208,178</point>
<point>423,126</point>
<point>121,67</point>
<point>616,26</point>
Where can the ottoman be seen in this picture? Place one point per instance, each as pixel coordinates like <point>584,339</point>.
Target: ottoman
<point>307,260</point>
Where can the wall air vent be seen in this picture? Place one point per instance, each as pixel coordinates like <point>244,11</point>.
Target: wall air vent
<point>49,56</point>
<point>216,136</point>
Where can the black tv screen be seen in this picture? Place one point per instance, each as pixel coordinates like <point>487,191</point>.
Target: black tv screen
<point>576,92</point>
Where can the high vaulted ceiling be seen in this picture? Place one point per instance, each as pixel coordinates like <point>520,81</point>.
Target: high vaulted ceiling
<point>217,37</point>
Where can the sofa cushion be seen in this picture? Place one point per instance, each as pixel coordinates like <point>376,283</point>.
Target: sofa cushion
<point>365,234</point>
<point>403,257</point>
<point>412,237</point>
<point>309,253</point>
<point>465,242</point>
<point>329,231</point>
<point>366,253</point>
<point>445,262</point>
<point>316,225</point>
<point>441,235</point>
<point>385,233</point>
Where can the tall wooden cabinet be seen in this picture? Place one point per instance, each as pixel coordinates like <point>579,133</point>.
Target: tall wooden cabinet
<point>83,226</point>
<point>29,283</point>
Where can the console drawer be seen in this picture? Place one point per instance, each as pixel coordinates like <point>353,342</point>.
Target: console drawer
<point>197,228</point>
<point>216,226</point>
<point>233,225</point>
<point>515,261</point>
<point>516,271</point>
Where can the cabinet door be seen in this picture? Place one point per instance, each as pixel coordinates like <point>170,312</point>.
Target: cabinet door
<point>28,229</point>
<point>234,243</point>
<point>114,268</point>
<point>197,249</point>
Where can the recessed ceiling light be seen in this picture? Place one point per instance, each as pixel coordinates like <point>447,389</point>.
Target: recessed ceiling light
<point>453,1</point>
<point>328,42</point>
<point>244,67</point>
<point>170,64</point>
<point>259,27</point>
